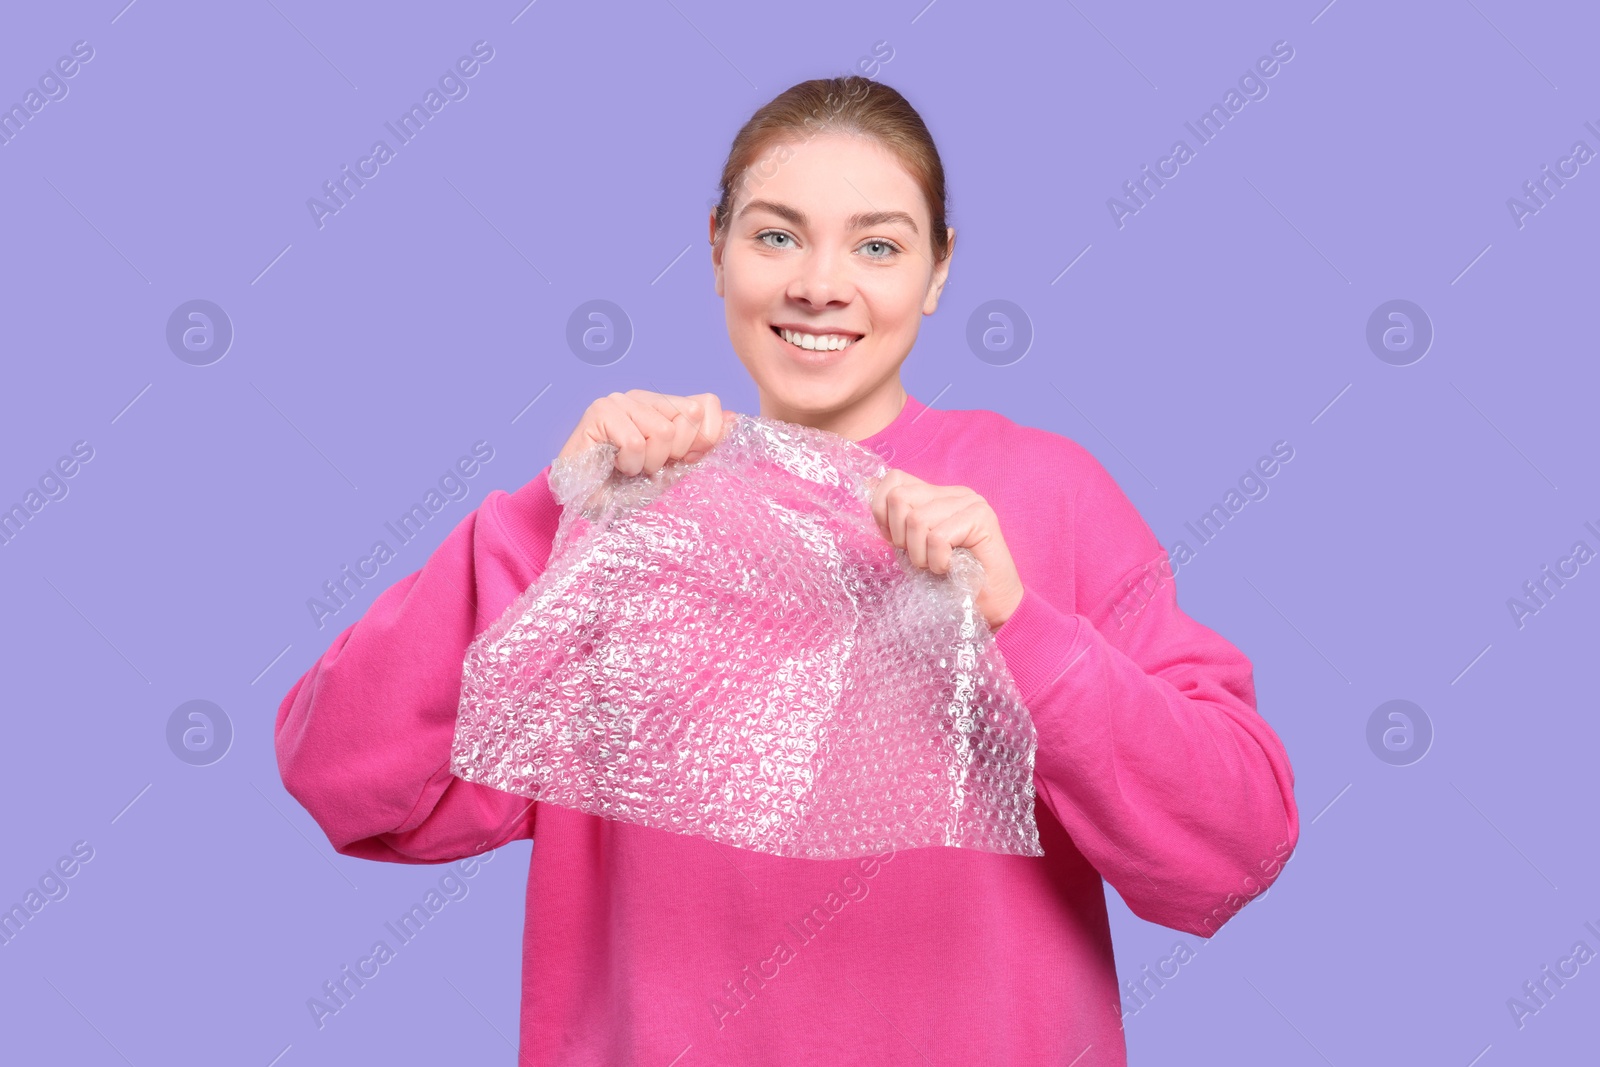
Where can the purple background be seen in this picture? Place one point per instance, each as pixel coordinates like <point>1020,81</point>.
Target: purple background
<point>431,312</point>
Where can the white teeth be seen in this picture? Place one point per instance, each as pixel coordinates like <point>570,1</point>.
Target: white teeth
<point>828,342</point>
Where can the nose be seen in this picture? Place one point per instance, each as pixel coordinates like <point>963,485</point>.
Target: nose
<point>822,278</point>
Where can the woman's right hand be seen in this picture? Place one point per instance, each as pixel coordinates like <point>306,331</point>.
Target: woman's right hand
<point>650,428</point>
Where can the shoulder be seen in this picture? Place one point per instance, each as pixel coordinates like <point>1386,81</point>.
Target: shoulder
<point>1030,453</point>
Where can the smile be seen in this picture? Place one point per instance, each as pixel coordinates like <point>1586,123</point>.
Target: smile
<point>816,342</point>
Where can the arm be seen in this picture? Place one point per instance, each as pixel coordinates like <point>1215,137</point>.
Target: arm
<point>1151,753</point>
<point>363,738</point>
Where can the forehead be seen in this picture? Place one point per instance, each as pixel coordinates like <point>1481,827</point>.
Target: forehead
<point>831,176</point>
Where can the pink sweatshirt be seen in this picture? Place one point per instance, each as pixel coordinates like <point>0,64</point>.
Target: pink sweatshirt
<point>1153,772</point>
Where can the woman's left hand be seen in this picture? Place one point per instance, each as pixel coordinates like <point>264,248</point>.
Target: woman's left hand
<point>931,521</point>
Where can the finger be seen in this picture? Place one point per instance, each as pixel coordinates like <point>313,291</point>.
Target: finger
<point>608,420</point>
<point>685,431</point>
<point>710,428</point>
<point>915,539</point>
<point>637,428</point>
<point>668,421</point>
<point>669,405</point>
<point>689,416</point>
<point>880,496</point>
<point>907,495</point>
<point>959,529</point>
<point>922,524</point>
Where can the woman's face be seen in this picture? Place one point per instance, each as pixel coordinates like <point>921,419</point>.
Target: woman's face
<point>828,242</point>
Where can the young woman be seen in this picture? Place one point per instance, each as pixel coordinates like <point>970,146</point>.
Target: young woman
<point>1153,770</point>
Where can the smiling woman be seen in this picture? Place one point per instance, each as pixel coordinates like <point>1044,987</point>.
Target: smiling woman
<point>828,259</point>
<point>1153,770</point>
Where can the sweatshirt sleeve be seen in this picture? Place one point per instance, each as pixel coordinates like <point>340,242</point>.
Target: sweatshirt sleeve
<point>1150,751</point>
<point>363,738</point>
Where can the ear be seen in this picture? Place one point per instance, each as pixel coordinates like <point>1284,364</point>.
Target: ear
<point>941,274</point>
<point>716,250</point>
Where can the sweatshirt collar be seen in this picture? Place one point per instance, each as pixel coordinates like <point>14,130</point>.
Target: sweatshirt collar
<point>907,435</point>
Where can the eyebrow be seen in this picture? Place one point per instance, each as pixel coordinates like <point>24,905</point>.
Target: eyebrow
<point>861,220</point>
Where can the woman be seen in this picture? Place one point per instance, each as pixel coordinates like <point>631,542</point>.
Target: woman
<point>1153,770</point>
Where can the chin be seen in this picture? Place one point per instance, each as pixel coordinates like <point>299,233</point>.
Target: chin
<point>807,393</point>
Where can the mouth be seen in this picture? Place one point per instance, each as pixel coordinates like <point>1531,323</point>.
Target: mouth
<point>818,345</point>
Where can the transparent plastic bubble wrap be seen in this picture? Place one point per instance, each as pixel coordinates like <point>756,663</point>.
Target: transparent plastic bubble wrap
<point>731,648</point>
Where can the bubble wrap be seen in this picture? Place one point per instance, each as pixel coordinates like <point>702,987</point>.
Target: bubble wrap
<point>732,648</point>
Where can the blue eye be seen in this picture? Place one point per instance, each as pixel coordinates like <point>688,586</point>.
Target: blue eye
<point>890,249</point>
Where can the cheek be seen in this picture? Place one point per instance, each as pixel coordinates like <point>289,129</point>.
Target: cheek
<point>753,291</point>
<point>895,309</point>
